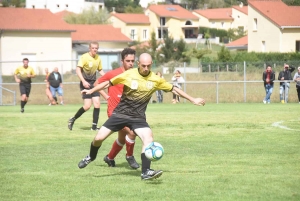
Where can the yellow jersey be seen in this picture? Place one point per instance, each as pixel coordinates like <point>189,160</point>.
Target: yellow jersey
<point>89,65</point>
<point>23,72</point>
<point>137,92</point>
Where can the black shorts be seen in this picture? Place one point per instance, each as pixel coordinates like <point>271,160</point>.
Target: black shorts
<point>25,88</point>
<point>116,123</point>
<point>89,96</point>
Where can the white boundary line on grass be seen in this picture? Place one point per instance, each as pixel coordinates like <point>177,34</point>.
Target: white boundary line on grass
<point>278,124</point>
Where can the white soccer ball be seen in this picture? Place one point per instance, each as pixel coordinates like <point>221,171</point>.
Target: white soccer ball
<point>154,151</point>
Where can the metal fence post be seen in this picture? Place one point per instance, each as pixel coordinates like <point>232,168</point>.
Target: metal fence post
<point>184,85</point>
<point>245,81</point>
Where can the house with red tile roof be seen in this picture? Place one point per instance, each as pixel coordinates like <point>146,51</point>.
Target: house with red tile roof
<point>111,42</point>
<point>36,34</point>
<point>134,26</point>
<point>219,18</point>
<point>223,18</point>
<point>173,20</point>
<point>239,44</point>
<point>273,26</point>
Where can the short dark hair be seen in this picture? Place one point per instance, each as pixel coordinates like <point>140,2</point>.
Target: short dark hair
<point>25,59</point>
<point>127,51</point>
<point>269,65</point>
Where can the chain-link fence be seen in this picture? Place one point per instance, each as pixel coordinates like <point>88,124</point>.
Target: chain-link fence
<point>215,82</point>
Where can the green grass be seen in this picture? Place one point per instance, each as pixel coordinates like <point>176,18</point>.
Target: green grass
<point>217,152</point>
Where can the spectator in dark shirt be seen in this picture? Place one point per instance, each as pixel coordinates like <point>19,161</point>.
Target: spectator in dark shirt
<point>268,78</point>
<point>286,74</point>
<point>55,84</point>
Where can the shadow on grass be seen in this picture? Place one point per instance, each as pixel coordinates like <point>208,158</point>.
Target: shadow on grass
<point>85,128</point>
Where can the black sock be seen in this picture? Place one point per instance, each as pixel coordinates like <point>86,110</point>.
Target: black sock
<point>79,113</point>
<point>93,151</point>
<point>23,104</point>
<point>145,163</point>
<point>55,98</point>
<point>96,116</point>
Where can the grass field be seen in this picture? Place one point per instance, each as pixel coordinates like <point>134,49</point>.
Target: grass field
<point>217,152</point>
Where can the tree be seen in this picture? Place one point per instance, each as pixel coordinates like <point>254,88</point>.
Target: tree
<point>153,45</point>
<point>193,4</point>
<point>198,53</point>
<point>224,55</point>
<point>121,5</point>
<point>15,3</point>
<point>89,16</point>
<point>130,9</point>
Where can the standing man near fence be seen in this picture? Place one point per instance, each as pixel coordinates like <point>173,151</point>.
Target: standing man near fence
<point>286,74</point>
<point>54,82</point>
<point>23,75</point>
<point>87,67</point>
<point>297,80</point>
<point>268,78</point>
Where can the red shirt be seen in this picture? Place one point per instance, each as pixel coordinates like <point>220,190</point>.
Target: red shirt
<point>114,92</point>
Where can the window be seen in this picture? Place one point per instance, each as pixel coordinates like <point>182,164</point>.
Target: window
<point>45,6</point>
<point>162,21</point>
<point>100,7</point>
<point>67,5</point>
<point>263,46</point>
<point>298,46</point>
<point>132,34</point>
<point>255,24</point>
<point>57,5</point>
<point>212,24</point>
<point>145,34</point>
<point>164,33</point>
<point>222,24</point>
<point>188,23</point>
<point>33,6</point>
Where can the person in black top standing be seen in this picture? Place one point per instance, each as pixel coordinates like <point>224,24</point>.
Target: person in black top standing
<point>55,85</point>
<point>286,74</point>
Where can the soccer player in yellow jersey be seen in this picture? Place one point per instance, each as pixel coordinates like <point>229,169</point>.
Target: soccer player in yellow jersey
<point>23,75</point>
<point>139,85</point>
<point>87,67</point>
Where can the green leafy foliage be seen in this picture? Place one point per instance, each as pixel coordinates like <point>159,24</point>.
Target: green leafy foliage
<point>224,55</point>
<point>89,16</point>
<point>124,6</point>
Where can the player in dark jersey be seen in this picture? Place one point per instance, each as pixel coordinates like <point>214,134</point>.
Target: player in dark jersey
<point>88,64</point>
<point>139,85</point>
<point>125,135</point>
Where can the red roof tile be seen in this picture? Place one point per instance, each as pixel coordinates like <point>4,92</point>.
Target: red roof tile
<point>243,9</point>
<point>93,32</point>
<point>132,18</point>
<point>278,12</point>
<point>173,11</point>
<point>216,14</point>
<point>31,20</point>
<point>239,42</point>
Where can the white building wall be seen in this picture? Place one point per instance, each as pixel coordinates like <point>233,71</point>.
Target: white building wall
<point>45,49</point>
<point>76,6</point>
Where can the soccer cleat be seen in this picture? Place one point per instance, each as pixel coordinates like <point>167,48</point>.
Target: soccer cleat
<point>110,163</point>
<point>132,162</point>
<point>84,162</point>
<point>71,122</point>
<point>264,101</point>
<point>95,128</point>
<point>22,110</point>
<point>151,174</point>
<point>282,101</point>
